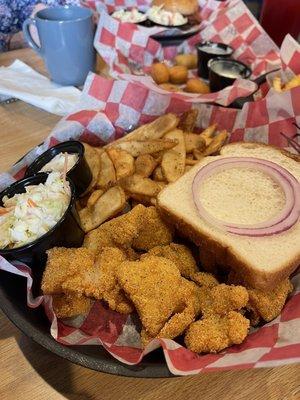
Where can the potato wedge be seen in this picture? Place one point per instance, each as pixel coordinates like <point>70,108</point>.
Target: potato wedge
<point>93,198</point>
<point>137,148</point>
<point>188,120</point>
<point>158,175</point>
<point>92,158</point>
<point>208,133</point>
<point>189,161</point>
<point>107,174</point>
<point>153,130</point>
<point>198,154</point>
<point>107,206</point>
<point>173,161</point>
<point>294,82</point>
<point>194,141</point>
<point>216,144</point>
<point>142,199</point>
<point>136,184</point>
<point>145,165</point>
<point>123,162</point>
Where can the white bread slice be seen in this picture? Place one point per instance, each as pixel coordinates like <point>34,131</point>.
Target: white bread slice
<point>261,261</point>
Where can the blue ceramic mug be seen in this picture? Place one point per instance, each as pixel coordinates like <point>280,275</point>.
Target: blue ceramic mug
<point>66,37</point>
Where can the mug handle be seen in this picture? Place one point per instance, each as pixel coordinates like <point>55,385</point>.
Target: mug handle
<point>28,37</point>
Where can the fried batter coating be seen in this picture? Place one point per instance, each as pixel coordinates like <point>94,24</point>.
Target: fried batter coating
<point>141,228</point>
<point>178,74</point>
<point>265,305</point>
<point>65,263</point>
<point>225,298</point>
<point>67,305</point>
<point>160,73</point>
<point>179,254</point>
<point>268,305</point>
<point>195,85</point>
<point>153,231</point>
<point>100,283</point>
<point>156,289</point>
<point>204,279</point>
<point>214,333</point>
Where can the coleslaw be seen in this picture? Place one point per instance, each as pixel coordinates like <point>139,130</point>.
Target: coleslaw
<point>58,162</point>
<point>160,16</point>
<point>27,216</point>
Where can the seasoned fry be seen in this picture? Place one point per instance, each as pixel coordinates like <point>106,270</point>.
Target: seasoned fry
<point>107,174</point>
<point>93,198</point>
<point>107,206</point>
<point>173,161</point>
<point>190,162</point>
<point>188,120</point>
<point>137,148</point>
<point>136,184</point>
<point>294,82</point>
<point>145,165</point>
<point>208,133</point>
<point>123,162</point>
<point>193,141</point>
<point>198,154</point>
<point>153,130</point>
<point>158,175</point>
<point>216,143</point>
<point>277,84</point>
<point>92,158</point>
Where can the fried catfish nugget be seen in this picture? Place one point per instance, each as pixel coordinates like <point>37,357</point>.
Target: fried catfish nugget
<point>67,305</point>
<point>141,228</point>
<point>215,332</point>
<point>265,305</point>
<point>158,292</point>
<point>65,263</point>
<point>179,254</point>
<point>100,282</point>
<point>204,279</point>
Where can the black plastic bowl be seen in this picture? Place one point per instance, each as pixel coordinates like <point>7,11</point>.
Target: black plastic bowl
<point>205,55</point>
<point>218,81</point>
<point>80,173</point>
<point>66,232</point>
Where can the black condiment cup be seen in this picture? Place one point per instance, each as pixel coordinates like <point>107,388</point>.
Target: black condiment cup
<point>80,173</point>
<point>218,81</point>
<point>66,232</point>
<point>204,55</point>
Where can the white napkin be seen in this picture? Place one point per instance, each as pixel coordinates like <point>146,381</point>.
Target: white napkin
<point>21,81</point>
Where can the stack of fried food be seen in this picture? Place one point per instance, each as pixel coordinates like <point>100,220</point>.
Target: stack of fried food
<point>135,168</point>
<point>132,264</point>
<point>175,78</point>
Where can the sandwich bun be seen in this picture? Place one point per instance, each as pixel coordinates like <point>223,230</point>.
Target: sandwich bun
<point>184,7</point>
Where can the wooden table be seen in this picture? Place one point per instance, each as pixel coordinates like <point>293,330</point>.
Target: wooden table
<point>29,372</point>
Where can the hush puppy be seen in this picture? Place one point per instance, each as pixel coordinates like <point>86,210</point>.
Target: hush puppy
<point>178,74</point>
<point>186,60</point>
<point>196,85</point>
<point>160,73</point>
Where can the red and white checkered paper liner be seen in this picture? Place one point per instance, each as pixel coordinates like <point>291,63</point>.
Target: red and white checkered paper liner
<point>128,48</point>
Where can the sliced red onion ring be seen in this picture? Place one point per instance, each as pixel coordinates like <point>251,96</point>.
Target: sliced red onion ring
<point>291,187</point>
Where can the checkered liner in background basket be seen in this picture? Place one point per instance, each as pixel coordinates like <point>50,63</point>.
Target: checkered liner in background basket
<point>228,22</point>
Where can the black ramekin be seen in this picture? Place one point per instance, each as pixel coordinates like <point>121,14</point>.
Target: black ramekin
<point>66,233</point>
<point>80,174</point>
<point>218,81</point>
<point>204,56</point>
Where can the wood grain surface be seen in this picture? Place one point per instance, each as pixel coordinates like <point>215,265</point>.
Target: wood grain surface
<point>29,372</point>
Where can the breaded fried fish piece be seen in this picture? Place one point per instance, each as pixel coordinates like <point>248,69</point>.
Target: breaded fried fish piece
<point>265,305</point>
<point>215,332</point>
<point>141,228</point>
<point>204,279</point>
<point>67,305</point>
<point>157,290</point>
<point>62,264</point>
<point>178,253</point>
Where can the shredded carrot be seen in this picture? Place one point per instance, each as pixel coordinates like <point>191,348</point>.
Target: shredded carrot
<point>31,203</point>
<point>5,210</point>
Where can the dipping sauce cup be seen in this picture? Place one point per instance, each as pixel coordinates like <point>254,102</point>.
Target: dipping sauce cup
<point>207,51</point>
<point>223,72</point>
